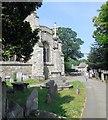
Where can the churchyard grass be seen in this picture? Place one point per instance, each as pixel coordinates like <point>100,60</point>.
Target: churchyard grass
<point>8,84</point>
<point>30,81</point>
<point>66,103</point>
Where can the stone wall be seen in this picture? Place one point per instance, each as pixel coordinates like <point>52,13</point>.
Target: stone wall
<point>37,62</point>
<point>8,68</point>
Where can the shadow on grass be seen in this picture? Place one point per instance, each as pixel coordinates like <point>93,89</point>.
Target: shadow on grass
<point>56,104</point>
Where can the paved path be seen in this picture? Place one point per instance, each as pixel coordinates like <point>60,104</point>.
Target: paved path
<point>95,106</point>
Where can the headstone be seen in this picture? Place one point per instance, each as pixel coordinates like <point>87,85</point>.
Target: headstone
<point>3,99</point>
<point>19,76</point>
<point>0,100</point>
<point>18,86</point>
<point>77,90</point>
<point>14,110</point>
<point>48,98</point>
<point>25,77</point>
<point>31,102</point>
<point>52,87</point>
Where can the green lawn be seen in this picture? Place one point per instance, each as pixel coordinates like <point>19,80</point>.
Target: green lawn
<point>30,81</point>
<point>66,103</point>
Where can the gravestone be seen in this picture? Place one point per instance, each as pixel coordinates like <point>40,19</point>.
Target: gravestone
<point>0,100</point>
<point>47,98</point>
<point>14,110</point>
<point>77,90</point>
<point>18,86</point>
<point>41,114</point>
<point>52,90</point>
<point>3,99</point>
<point>19,76</point>
<point>61,83</point>
<point>31,102</point>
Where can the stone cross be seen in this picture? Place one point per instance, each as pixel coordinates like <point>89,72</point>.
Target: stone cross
<point>55,29</point>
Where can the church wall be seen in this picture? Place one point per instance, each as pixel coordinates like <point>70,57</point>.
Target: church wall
<point>37,62</point>
<point>36,68</point>
<point>8,68</point>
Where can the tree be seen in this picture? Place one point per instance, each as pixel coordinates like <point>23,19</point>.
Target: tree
<point>98,57</point>
<point>17,35</point>
<point>70,45</point>
<point>95,57</point>
<point>101,24</point>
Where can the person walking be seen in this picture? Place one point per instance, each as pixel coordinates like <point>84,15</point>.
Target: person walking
<point>86,75</point>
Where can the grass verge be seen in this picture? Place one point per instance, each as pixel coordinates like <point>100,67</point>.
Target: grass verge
<point>66,103</point>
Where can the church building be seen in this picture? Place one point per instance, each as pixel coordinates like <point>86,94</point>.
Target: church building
<point>47,59</point>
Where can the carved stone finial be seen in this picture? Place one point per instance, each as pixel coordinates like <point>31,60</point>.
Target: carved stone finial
<point>55,28</point>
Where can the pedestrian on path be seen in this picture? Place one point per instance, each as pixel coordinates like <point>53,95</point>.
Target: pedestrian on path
<point>86,75</point>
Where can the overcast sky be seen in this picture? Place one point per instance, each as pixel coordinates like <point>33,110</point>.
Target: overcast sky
<point>75,15</point>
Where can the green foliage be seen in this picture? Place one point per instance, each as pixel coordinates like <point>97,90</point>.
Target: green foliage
<point>101,24</point>
<point>17,35</point>
<point>98,57</point>
<point>70,45</point>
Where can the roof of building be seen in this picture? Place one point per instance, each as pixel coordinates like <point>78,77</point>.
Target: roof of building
<point>82,65</point>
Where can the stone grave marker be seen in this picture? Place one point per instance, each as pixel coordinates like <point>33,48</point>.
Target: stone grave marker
<point>0,100</point>
<point>31,102</point>
<point>14,110</point>
<point>19,76</point>
<point>3,99</point>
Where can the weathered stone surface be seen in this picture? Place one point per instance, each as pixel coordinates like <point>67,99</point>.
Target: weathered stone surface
<point>18,86</point>
<point>10,90</point>
<point>14,110</point>
<point>31,102</point>
<point>52,90</point>
<point>0,100</point>
<point>47,98</point>
<point>3,99</point>
<point>46,61</point>
<point>45,114</point>
<point>21,69</point>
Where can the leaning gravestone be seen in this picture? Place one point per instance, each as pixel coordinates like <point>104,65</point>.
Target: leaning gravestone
<point>31,102</point>
<point>0,99</point>
<point>3,84</point>
<point>14,110</point>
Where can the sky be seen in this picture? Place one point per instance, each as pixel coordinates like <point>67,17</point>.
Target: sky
<point>75,15</point>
